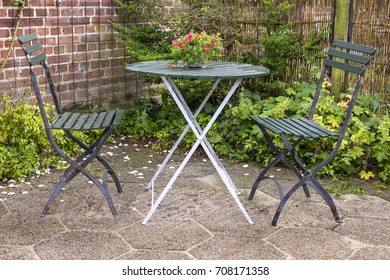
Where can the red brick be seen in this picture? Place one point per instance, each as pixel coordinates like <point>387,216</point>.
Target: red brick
<point>82,94</point>
<point>92,28</point>
<point>49,50</point>
<point>95,73</point>
<point>4,33</point>
<point>54,31</point>
<point>79,21</point>
<point>7,22</point>
<point>32,21</point>
<point>66,96</point>
<point>72,12</point>
<point>81,48</point>
<point>7,3</point>
<point>3,13</point>
<point>38,2</point>
<point>79,57</point>
<point>79,29</point>
<point>24,72</point>
<point>53,12</point>
<point>93,47</point>
<point>41,32</point>
<point>29,12</point>
<point>60,21</point>
<point>60,68</point>
<point>90,12</point>
<point>8,74</point>
<point>41,12</point>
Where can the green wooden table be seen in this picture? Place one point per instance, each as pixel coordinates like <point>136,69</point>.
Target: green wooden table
<point>216,71</point>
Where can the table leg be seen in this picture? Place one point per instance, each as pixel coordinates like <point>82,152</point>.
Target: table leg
<point>172,150</point>
<point>198,130</point>
<point>201,136</point>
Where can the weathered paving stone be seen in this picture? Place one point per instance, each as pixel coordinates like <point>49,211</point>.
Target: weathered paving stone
<point>236,248</point>
<point>169,235</point>
<point>352,206</point>
<point>82,245</point>
<point>18,229</point>
<point>367,230</point>
<point>311,243</point>
<point>3,209</point>
<point>155,255</point>
<point>372,253</point>
<point>16,253</point>
<point>223,222</point>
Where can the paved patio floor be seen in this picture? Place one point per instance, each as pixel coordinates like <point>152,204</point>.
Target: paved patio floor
<point>197,220</point>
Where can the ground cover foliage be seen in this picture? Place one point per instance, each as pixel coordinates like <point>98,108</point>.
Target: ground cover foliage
<point>365,152</point>
<point>24,146</point>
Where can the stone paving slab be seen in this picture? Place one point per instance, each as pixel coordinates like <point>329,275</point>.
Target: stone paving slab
<point>198,219</point>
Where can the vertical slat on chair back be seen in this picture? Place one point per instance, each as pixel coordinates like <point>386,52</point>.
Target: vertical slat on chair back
<point>36,57</point>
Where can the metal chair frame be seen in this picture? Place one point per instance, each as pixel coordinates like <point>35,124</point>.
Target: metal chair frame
<point>349,57</point>
<point>106,121</point>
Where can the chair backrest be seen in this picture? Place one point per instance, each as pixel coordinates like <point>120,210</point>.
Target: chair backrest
<point>36,58</point>
<point>350,58</point>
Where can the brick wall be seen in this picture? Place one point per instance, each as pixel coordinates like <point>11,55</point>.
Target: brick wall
<point>85,59</point>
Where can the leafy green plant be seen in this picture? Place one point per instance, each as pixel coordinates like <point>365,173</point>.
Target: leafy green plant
<point>17,3</point>
<point>146,36</point>
<point>24,146</point>
<point>148,33</point>
<point>344,187</point>
<point>365,151</point>
<point>20,140</point>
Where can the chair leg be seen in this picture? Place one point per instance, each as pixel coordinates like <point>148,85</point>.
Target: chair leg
<point>261,177</point>
<point>318,187</point>
<point>291,149</point>
<point>98,157</point>
<point>281,156</point>
<point>79,165</point>
<point>68,175</point>
<point>112,173</point>
<point>328,199</point>
<point>104,189</point>
<point>284,200</point>
<point>61,183</point>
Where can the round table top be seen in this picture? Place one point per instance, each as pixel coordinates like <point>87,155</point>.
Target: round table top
<point>213,70</point>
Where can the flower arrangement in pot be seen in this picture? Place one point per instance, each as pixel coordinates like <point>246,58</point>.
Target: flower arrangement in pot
<point>196,49</point>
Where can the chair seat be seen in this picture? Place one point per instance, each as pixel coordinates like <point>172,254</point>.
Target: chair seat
<point>88,121</point>
<point>299,127</point>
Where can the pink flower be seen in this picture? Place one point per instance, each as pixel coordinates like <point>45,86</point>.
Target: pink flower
<point>188,37</point>
<point>181,46</point>
<point>212,43</point>
<point>206,48</point>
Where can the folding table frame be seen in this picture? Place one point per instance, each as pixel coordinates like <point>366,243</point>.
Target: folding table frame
<point>217,71</point>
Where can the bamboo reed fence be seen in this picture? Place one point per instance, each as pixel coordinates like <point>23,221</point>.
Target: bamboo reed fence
<point>369,22</point>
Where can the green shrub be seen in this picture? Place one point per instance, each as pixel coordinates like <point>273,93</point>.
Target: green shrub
<point>365,151</point>
<point>24,146</point>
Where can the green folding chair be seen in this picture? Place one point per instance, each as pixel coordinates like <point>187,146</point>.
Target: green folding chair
<point>72,121</point>
<point>352,59</point>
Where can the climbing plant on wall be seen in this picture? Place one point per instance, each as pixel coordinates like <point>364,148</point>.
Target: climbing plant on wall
<point>21,5</point>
